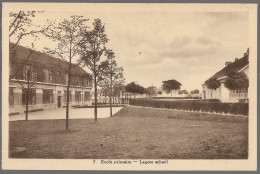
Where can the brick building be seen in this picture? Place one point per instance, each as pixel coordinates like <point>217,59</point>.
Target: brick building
<point>48,82</point>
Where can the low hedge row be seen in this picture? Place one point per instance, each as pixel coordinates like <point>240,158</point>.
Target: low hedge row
<point>218,107</point>
<point>176,97</point>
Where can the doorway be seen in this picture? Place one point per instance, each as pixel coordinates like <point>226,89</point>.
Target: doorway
<point>59,101</point>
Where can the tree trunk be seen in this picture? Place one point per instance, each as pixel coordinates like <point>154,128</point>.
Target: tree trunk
<point>111,88</point>
<point>239,96</point>
<point>95,84</point>
<point>68,99</point>
<point>27,96</point>
<point>68,93</point>
<point>27,105</point>
<point>110,105</point>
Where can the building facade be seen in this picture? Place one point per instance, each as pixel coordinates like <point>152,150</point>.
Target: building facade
<point>45,78</point>
<point>222,93</point>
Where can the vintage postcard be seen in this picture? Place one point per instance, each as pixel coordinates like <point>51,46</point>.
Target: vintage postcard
<point>96,86</point>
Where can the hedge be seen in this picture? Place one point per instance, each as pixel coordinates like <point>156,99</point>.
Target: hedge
<point>176,97</point>
<point>203,106</point>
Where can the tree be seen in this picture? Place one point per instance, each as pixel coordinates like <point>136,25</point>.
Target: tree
<point>134,88</point>
<point>237,81</point>
<point>92,48</point>
<point>184,91</point>
<point>67,34</point>
<point>170,85</point>
<point>105,92</point>
<point>160,92</point>
<point>113,76</point>
<point>26,78</point>
<point>119,91</point>
<point>195,91</point>
<point>151,91</point>
<point>21,25</point>
<point>212,84</point>
<point>29,73</point>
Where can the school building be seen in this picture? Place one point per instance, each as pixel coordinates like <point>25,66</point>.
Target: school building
<point>46,79</point>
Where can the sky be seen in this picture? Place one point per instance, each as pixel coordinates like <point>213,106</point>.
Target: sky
<point>157,45</point>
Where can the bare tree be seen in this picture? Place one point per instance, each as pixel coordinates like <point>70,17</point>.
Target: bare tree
<point>92,48</point>
<point>67,34</point>
<point>113,76</point>
<point>21,25</point>
<point>27,77</point>
<point>23,71</point>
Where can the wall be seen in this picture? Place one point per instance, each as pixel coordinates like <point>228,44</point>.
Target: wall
<point>210,94</point>
<point>58,91</point>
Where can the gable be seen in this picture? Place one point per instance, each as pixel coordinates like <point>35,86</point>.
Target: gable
<point>235,66</point>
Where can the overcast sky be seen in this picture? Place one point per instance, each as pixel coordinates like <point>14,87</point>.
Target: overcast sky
<point>153,46</point>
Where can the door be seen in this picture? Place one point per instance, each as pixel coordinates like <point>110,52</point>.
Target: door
<point>59,101</point>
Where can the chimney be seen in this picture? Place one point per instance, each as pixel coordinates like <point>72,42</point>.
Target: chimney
<point>227,63</point>
<point>236,59</point>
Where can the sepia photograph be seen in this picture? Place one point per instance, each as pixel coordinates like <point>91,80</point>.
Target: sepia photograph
<point>90,86</point>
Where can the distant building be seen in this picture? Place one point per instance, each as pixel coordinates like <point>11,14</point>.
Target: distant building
<point>49,81</point>
<point>222,93</point>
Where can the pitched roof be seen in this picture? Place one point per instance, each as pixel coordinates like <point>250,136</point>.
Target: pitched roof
<point>234,66</point>
<point>48,62</point>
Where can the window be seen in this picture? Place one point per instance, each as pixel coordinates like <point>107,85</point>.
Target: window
<point>88,83</point>
<point>50,76</point>
<point>32,97</point>
<point>78,96</point>
<point>236,91</point>
<point>66,78</point>
<point>79,81</point>
<point>59,78</point>
<point>11,96</point>
<point>65,96</point>
<point>47,96</point>
<point>40,74</point>
<point>87,96</point>
<point>29,72</point>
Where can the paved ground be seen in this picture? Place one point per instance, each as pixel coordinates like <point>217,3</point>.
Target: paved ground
<point>60,114</point>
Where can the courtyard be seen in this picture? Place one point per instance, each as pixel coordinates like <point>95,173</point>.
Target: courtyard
<point>61,112</point>
<point>133,133</point>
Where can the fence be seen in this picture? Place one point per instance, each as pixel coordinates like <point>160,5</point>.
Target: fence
<point>114,100</point>
<point>203,106</point>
